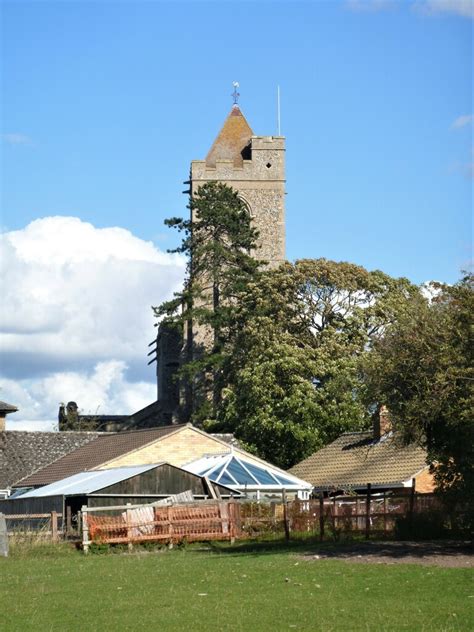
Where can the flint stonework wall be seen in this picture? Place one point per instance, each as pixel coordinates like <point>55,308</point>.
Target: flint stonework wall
<point>261,183</point>
<point>267,211</point>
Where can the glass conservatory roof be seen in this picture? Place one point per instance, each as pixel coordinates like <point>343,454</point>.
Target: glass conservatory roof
<point>235,471</point>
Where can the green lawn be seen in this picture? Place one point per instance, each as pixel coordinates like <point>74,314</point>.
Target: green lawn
<point>226,589</point>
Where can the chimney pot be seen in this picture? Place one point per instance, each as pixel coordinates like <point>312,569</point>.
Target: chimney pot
<point>382,422</point>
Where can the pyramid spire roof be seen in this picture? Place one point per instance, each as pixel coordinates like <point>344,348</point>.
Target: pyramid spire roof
<point>231,141</point>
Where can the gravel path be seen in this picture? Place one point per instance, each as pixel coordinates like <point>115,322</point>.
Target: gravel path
<point>452,554</point>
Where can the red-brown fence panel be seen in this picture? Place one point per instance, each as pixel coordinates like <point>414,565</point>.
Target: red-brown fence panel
<point>204,520</point>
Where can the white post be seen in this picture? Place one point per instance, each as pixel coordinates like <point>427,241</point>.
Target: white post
<point>278,110</point>
<point>129,530</point>
<point>3,536</point>
<point>85,530</point>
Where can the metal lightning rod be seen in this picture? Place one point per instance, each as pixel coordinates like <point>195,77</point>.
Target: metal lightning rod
<point>278,110</point>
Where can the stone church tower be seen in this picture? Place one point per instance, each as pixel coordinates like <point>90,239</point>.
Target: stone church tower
<point>255,167</point>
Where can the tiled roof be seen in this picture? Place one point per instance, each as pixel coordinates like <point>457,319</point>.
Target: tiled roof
<point>103,449</point>
<point>355,459</point>
<point>234,136</point>
<point>22,452</point>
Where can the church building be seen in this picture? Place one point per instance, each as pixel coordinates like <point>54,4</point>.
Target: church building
<point>254,166</point>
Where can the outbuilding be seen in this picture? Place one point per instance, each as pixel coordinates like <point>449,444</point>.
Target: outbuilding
<point>138,484</point>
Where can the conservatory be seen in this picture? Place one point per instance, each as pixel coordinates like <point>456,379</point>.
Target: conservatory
<point>250,476</point>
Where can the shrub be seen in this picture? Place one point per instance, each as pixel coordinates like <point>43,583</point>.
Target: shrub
<point>427,525</point>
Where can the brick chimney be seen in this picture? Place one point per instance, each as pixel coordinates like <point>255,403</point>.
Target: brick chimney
<point>382,422</point>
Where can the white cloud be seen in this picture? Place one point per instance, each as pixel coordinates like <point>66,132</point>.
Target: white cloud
<point>103,390</point>
<point>462,121</point>
<point>75,297</point>
<point>17,139</point>
<point>462,8</point>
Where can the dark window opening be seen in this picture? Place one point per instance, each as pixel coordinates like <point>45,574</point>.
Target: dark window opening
<point>268,165</point>
<point>246,152</point>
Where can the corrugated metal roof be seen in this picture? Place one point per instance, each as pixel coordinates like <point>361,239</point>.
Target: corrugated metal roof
<point>88,482</point>
<point>96,453</point>
<point>355,459</point>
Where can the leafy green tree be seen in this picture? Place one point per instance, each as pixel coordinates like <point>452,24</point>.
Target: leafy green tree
<point>219,242</point>
<point>293,380</point>
<point>422,370</point>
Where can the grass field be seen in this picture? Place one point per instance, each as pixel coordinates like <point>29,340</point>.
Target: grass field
<point>226,588</point>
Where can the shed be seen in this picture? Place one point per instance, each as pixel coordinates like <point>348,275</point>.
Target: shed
<point>137,484</point>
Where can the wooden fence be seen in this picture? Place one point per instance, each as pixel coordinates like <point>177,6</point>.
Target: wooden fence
<point>197,521</point>
<point>230,520</point>
<point>321,518</point>
<point>367,514</point>
<point>332,517</point>
<point>41,524</point>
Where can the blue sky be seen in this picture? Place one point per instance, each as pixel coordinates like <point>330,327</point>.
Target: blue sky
<point>105,104</point>
<point>118,97</point>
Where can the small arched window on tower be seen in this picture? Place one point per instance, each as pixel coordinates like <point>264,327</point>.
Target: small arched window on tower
<point>248,208</point>
<point>246,204</point>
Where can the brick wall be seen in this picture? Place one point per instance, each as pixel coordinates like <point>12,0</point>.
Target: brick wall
<point>179,448</point>
<point>424,482</point>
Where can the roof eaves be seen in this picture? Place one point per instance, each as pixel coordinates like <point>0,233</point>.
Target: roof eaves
<point>346,486</point>
<point>408,481</point>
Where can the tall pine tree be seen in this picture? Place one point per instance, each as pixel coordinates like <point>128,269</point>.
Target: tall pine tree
<point>220,243</point>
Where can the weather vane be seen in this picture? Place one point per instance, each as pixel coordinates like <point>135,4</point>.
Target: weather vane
<point>235,94</point>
